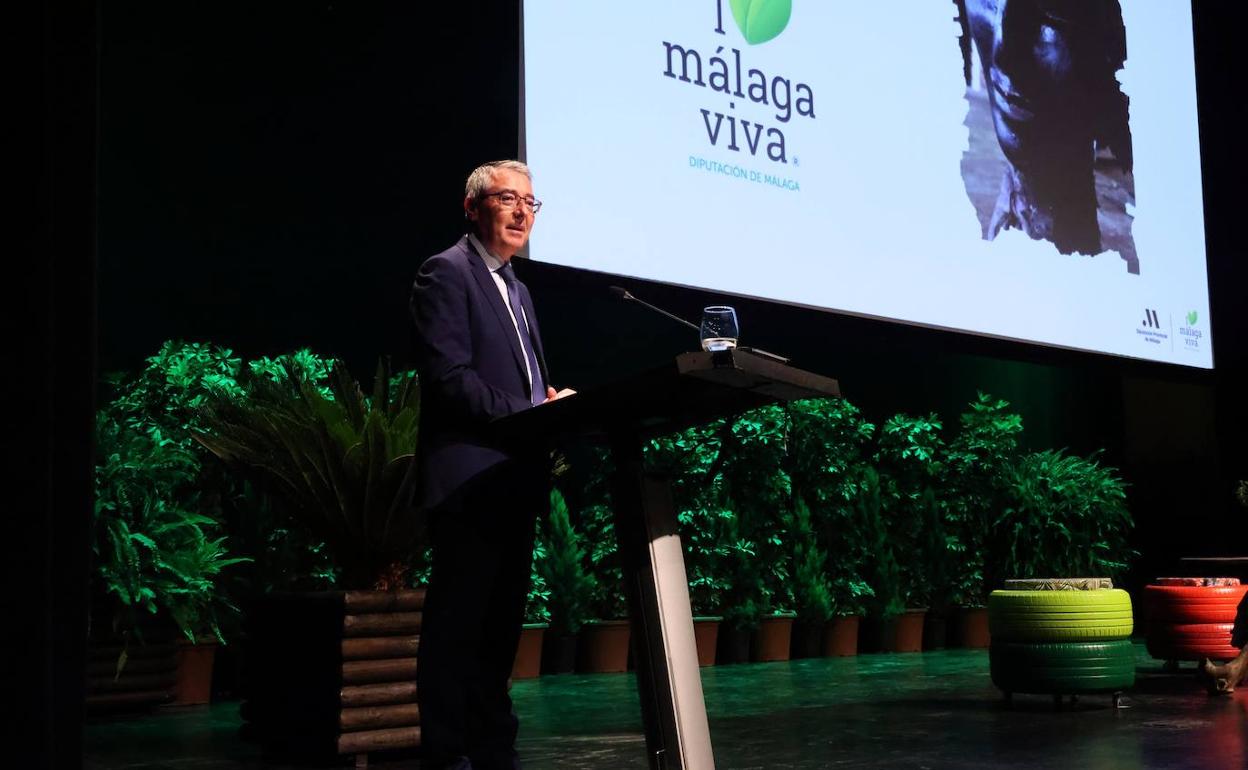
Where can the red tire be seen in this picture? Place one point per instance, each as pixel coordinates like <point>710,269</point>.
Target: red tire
<point>1191,641</point>
<point>1191,604</point>
<point>1162,650</point>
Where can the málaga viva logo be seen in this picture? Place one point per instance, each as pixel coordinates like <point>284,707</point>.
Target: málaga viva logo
<point>728,73</point>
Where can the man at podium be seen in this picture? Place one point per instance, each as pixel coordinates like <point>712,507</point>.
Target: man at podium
<point>479,355</point>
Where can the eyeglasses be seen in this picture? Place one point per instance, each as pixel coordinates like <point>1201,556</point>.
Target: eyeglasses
<point>509,200</point>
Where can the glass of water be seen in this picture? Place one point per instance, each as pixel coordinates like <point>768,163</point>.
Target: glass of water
<point>719,328</point>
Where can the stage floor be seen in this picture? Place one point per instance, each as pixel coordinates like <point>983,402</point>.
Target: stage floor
<point>929,710</point>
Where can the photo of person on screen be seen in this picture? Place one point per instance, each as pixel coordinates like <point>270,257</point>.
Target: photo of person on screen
<point>1049,122</point>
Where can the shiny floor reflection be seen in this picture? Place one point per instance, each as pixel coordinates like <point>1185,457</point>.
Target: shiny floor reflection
<point>932,710</point>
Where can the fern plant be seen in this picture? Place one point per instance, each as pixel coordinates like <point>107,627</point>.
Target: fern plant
<point>154,553</point>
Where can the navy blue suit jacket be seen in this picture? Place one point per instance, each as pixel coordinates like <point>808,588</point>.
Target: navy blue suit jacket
<point>471,366</point>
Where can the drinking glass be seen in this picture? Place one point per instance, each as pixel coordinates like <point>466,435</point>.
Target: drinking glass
<point>719,328</point>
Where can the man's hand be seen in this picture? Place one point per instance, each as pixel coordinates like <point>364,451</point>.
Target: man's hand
<point>552,395</point>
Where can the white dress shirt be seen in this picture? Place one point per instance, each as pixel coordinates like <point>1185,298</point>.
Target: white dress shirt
<point>494,264</point>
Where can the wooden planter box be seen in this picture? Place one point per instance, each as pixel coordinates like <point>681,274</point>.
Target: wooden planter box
<point>148,678</point>
<point>333,672</point>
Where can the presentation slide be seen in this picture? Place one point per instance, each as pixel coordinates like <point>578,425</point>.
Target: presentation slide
<point>1024,169</point>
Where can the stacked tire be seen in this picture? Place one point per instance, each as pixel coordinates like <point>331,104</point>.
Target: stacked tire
<point>1191,618</point>
<point>1061,640</point>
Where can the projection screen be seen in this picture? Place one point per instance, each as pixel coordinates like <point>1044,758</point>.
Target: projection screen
<point>1022,169</point>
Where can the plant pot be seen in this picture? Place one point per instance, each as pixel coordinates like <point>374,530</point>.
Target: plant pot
<point>705,635</point>
<point>528,663</point>
<point>603,647</point>
<point>970,628</point>
<point>935,629</point>
<point>733,645</point>
<point>772,640</point>
<point>840,638</point>
<point>908,634</point>
<point>193,686</point>
<point>807,639</point>
<point>558,653</point>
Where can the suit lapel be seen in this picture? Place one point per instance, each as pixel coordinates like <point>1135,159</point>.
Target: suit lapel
<point>492,298</point>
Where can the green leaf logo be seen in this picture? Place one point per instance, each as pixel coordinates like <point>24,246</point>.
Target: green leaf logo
<point>761,20</point>
<point>1191,318</point>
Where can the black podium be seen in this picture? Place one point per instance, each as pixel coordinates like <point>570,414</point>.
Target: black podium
<point>695,388</point>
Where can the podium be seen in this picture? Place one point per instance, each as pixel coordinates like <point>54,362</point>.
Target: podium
<point>695,388</point>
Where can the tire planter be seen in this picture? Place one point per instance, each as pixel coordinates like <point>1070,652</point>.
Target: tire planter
<point>1192,618</point>
<point>1061,641</point>
<point>1057,668</point>
<point>333,673</point>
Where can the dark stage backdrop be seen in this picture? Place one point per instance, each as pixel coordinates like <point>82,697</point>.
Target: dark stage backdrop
<point>271,176</point>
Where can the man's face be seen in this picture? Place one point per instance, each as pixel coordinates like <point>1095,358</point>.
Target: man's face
<point>1036,56</point>
<point>502,230</point>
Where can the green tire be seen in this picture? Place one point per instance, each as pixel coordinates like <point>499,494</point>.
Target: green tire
<point>1060,616</point>
<point>1113,599</point>
<point>1062,668</point>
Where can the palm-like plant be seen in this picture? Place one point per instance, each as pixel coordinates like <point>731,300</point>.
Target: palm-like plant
<point>344,463</point>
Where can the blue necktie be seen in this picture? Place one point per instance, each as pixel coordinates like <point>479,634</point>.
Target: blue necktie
<point>538,392</point>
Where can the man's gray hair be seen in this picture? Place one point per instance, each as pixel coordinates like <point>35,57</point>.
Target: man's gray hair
<point>483,176</point>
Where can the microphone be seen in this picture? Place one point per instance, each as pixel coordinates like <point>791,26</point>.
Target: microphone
<point>626,295</point>
<point>621,293</point>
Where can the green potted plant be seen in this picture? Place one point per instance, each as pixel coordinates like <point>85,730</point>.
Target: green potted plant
<point>757,482</point>
<point>1067,516</point>
<point>828,449</point>
<point>342,464</point>
<point>979,459</point>
<point>812,593</point>
<point>745,599</point>
<point>159,556</point>
<point>559,568</point>
<point>602,646</point>
<point>883,573</point>
<point>528,663</point>
<point>909,456</point>
<point>690,461</point>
